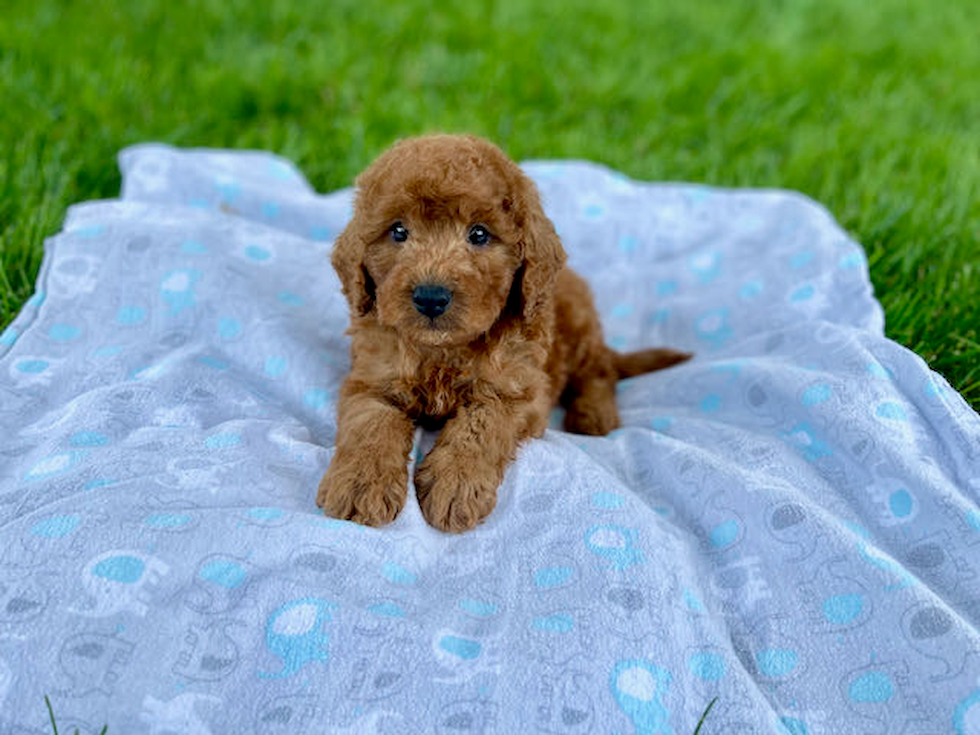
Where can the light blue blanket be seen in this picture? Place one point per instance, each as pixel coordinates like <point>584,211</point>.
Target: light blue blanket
<point>788,523</point>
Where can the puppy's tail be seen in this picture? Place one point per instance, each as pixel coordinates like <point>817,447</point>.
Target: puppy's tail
<point>631,364</point>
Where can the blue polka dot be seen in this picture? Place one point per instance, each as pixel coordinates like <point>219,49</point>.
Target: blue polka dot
<point>552,577</point>
<point>37,299</point>
<point>166,520</point>
<point>900,503</point>
<point>256,253</point>
<point>793,726</point>
<point>55,526</point>
<point>851,260</point>
<point>228,188</point>
<point>280,170</point>
<point>707,666</point>
<point>124,569</point>
<point>622,310</point>
<point>89,231</point>
<point>387,609</point>
<point>88,439</point>
<point>32,366</point>
<point>193,247</point>
<point>891,411</point>
<point>320,233</point>
<point>692,602</point>
<point>661,423</point>
<point>776,662</point>
<point>397,574</point>
<point>223,573</point>
<point>275,366</point>
<point>706,266</point>
<point>289,298</point>
<point>842,609</point>
<point>130,315</point>
<point>724,534</point>
<point>215,363</point>
<point>665,288</point>
<point>107,351</point>
<point>593,211</point>
<point>558,623</point>
<point>606,500</point>
<point>627,243</point>
<point>711,403</point>
<point>659,316</point>
<point>872,688</point>
<point>479,608</point>
<point>807,441</point>
<point>265,513</point>
<point>803,293</point>
<point>973,518</point>
<point>712,326</point>
<point>63,332</point>
<point>225,440</point>
<point>9,336</point>
<point>816,394</point>
<point>316,398</point>
<point>462,648</point>
<point>199,203</point>
<point>801,259</point>
<point>750,290</point>
<point>877,370</point>
<point>618,342</point>
<point>229,328</point>
<point>270,210</point>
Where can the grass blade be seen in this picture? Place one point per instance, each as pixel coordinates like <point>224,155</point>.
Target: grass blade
<point>706,711</point>
<point>51,714</point>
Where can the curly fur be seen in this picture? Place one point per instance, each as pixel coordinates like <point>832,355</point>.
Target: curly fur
<point>520,335</point>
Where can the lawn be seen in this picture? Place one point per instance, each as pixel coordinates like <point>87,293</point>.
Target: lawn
<point>871,108</point>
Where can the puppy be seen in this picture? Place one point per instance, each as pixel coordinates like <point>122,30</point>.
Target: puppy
<point>464,318</point>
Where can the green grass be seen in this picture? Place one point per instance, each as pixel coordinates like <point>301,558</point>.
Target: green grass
<point>871,108</point>
<point>704,716</point>
<point>105,728</point>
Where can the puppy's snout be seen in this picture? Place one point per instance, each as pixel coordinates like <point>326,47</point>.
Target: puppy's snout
<point>431,299</point>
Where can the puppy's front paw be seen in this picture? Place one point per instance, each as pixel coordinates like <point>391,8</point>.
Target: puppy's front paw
<point>456,492</point>
<point>364,489</point>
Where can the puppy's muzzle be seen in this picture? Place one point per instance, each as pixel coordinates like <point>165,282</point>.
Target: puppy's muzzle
<point>431,299</point>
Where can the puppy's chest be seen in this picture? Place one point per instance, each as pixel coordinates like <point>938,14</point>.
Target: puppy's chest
<point>431,392</point>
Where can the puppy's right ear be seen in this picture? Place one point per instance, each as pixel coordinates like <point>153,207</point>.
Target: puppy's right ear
<point>348,260</point>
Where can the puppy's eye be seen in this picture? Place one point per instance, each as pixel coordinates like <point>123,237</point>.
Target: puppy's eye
<point>479,235</point>
<point>398,232</point>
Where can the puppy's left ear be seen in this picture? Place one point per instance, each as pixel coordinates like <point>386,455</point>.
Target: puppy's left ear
<point>543,257</point>
<point>347,259</point>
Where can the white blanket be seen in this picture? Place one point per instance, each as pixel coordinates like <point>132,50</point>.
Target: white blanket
<point>788,523</point>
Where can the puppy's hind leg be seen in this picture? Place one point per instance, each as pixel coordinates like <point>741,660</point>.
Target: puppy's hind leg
<point>589,399</point>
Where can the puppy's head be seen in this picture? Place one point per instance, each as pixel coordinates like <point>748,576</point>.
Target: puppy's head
<point>448,236</point>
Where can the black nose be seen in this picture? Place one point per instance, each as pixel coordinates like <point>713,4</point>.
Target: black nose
<point>431,300</point>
